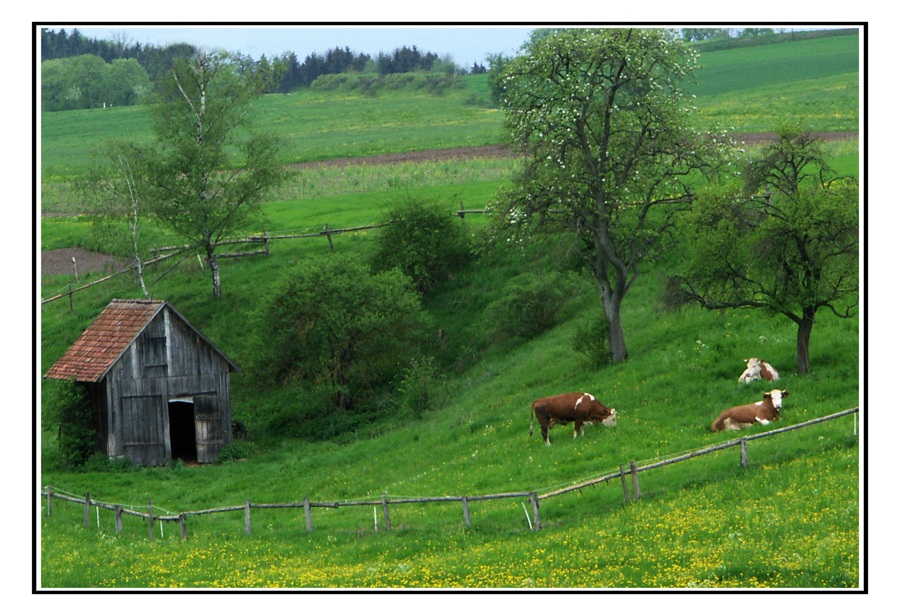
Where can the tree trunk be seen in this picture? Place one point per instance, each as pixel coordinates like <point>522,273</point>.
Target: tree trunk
<point>611,301</point>
<point>804,331</point>
<point>139,268</point>
<point>135,245</point>
<point>617,349</point>
<point>213,262</point>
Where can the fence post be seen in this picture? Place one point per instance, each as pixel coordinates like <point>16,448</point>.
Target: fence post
<point>183,520</point>
<point>535,505</point>
<point>87,509</point>
<point>384,507</point>
<point>308,513</point>
<point>328,235</point>
<point>247,528</point>
<point>150,523</point>
<point>465,504</point>
<point>71,307</point>
<point>744,462</point>
<point>634,481</point>
<point>49,501</point>
<point>118,512</point>
<point>624,483</point>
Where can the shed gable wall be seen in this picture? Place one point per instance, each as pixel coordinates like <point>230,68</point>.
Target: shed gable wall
<point>167,360</point>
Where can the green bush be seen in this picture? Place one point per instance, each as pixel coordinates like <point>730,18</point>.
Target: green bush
<point>371,85</point>
<point>529,305</point>
<point>591,343</point>
<point>423,241</point>
<point>235,451</point>
<point>101,463</point>
<point>71,413</point>
<point>422,387</point>
<point>339,334</point>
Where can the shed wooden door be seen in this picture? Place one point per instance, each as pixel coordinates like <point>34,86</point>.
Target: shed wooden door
<point>210,427</point>
<point>143,430</point>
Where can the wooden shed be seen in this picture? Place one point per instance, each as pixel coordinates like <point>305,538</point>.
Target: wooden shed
<point>160,389</point>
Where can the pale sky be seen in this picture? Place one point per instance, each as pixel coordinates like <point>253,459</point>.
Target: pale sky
<point>464,44</point>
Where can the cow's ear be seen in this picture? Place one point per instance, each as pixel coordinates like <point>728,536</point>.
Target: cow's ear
<point>767,395</point>
<point>785,393</point>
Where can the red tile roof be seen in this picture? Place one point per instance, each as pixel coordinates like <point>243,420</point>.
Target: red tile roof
<point>104,341</point>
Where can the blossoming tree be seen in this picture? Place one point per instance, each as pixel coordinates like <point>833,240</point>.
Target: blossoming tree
<point>611,155</point>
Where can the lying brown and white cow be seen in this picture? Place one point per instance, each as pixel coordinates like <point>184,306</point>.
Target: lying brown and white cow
<point>758,369</point>
<point>738,417</point>
<point>582,408</point>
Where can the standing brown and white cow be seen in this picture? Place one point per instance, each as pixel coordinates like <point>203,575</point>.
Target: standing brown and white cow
<point>738,417</point>
<point>582,408</point>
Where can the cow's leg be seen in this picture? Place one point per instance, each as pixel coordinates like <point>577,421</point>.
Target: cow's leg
<point>579,427</point>
<point>545,432</point>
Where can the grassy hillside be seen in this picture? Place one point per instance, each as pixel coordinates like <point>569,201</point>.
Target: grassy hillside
<point>790,65</point>
<point>815,82</point>
<point>790,520</point>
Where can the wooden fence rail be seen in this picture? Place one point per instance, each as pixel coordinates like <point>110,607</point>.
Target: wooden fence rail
<point>742,442</point>
<point>165,252</point>
<point>130,268</point>
<point>384,502</point>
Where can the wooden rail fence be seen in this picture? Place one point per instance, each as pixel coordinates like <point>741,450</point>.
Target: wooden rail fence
<point>533,497</point>
<point>166,252</point>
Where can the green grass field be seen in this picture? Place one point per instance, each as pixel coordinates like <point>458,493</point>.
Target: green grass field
<point>791,520</point>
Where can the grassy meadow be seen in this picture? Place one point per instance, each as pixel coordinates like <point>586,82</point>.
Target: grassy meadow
<point>790,520</point>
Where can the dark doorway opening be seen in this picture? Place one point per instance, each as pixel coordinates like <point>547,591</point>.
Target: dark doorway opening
<point>182,431</point>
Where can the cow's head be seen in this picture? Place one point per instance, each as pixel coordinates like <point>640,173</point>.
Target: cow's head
<point>754,368</point>
<point>610,421</point>
<point>598,413</point>
<point>776,396</point>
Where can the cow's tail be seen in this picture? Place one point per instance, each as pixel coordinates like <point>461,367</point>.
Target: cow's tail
<point>531,424</point>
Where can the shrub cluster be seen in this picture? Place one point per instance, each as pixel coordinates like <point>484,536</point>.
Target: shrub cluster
<point>529,305</point>
<point>372,84</point>
<point>421,388</point>
<point>423,242</point>
<point>591,343</point>
<point>71,410</point>
<point>337,334</point>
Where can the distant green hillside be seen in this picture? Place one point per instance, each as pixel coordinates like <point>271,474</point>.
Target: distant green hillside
<point>736,71</point>
<point>815,82</point>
